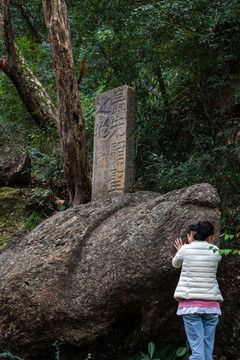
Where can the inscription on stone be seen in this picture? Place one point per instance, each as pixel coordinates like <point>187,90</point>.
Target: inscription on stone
<point>114,142</point>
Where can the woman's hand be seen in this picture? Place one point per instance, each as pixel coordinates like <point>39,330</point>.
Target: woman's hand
<point>178,244</point>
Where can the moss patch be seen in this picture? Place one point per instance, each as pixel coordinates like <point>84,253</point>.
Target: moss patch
<point>12,211</point>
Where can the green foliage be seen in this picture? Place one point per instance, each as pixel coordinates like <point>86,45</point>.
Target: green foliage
<point>195,44</point>
<point>46,166</point>
<point>229,239</point>
<point>224,239</point>
<point>41,203</point>
<point>12,212</point>
<point>189,134</point>
<point>12,109</point>
<point>88,107</point>
<point>8,355</point>
<point>42,146</point>
<point>225,251</point>
<point>182,352</point>
<point>57,345</point>
<point>151,350</point>
<point>34,219</point>
<point>169,352</point>
<point>175,351</point>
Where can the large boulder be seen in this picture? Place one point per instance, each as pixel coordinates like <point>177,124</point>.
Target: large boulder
<point>14,166</point>
<point>99,275</point>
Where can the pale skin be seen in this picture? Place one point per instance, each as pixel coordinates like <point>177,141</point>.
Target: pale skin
<point>179,243</point>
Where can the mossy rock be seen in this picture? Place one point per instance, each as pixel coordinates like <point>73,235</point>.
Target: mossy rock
<point>12,211</point>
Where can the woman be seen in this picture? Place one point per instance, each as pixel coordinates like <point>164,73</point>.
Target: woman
<point>197,291</point>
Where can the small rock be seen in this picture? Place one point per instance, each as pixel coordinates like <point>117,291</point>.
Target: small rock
<point>14,166</point>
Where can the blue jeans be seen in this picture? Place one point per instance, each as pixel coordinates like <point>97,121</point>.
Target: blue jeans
<point>200,330</point>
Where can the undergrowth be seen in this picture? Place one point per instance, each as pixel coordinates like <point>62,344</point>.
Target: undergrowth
<point>170,352</point>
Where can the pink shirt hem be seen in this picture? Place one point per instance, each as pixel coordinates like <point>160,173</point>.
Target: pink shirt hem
<point>199,303</point>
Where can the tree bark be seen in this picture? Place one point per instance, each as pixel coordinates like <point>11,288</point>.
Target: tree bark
<point>30,90</point>
<point>71,122</point>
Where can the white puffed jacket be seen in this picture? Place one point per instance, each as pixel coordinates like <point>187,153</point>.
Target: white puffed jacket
<point>198,276</point>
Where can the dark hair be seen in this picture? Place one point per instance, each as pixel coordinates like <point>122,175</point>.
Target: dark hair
<point>203,230</point>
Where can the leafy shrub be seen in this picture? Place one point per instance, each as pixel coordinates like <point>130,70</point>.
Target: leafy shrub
<point>8,355</point>
<point>175,351</point>
<point>41,203</point>
<point>218,167</point>
<point>151,350</point>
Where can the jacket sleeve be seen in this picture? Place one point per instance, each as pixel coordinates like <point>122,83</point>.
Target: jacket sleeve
<point>178,259</point>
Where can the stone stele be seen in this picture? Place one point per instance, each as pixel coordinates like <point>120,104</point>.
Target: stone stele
<point>114,142</point>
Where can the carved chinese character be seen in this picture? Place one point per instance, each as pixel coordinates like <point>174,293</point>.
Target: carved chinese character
<point>116,180</point>
<point>114,142</point>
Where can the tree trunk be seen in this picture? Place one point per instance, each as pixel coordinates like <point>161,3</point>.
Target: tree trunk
<point>30,90</point>
<point>71,122</point>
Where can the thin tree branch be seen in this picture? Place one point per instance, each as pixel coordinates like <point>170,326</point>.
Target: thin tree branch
<point>111,64</point>
<point>26,17</point>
